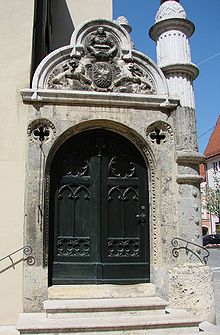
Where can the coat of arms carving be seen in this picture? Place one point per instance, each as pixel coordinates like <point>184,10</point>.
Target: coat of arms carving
<point>101,68</point>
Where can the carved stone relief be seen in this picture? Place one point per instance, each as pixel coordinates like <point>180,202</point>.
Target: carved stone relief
<point>41,130</point>
<point>101,68</point>
<point>170,9</point>
<point>159,133</point>
<point>101,45</point>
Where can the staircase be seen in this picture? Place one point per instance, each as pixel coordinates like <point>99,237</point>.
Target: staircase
<point>111,316</point>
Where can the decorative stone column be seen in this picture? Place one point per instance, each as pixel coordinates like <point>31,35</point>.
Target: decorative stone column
<point>171,32</point>
<point>190,283</point>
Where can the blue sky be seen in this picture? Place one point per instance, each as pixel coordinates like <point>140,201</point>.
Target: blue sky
<point>205,50</point>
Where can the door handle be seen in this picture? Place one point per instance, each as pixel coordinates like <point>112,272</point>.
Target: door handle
<point>142,215</point>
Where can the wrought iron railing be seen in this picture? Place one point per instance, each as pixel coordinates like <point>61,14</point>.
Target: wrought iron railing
<point>191,248</point>
<point>27,251</point>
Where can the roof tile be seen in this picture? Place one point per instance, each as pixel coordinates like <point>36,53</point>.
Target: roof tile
<point>213,147</point>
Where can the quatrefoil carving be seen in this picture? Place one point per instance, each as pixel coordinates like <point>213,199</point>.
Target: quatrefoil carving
<point>159,133</point>
<point>41,130</point>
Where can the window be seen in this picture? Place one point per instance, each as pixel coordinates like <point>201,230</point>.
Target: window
<point>215,166</point>
<point>217,227</point>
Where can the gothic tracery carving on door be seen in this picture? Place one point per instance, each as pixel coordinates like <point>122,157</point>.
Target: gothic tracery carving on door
<point>98,184</point>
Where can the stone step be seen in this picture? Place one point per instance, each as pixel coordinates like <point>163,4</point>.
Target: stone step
<point>113,307</point>
<point>8,330</point>
<point>11,330</point>
<point>38,323</point>
<point>208,328</point>
<point>101,291</point>
<point>200,333</point>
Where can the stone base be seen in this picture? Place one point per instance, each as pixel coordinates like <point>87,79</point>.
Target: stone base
<point>191,287</point>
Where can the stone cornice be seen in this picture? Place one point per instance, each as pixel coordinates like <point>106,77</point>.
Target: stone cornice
<point>48,96</point>
<point>179,24</point>
<point>191,157</point>
<point>189,179</point>
<point>190,68</point>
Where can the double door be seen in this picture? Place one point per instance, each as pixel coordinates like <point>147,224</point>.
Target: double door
<point>98,211</point>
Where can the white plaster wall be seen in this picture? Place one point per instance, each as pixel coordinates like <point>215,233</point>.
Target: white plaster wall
<point>94,9</point>
<point>68,14</point>
<point>15,58</point>
<point>210,169</point>
<point>211,183</point>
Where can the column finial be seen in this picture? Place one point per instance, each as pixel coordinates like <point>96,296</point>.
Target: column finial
<point>162,1</point>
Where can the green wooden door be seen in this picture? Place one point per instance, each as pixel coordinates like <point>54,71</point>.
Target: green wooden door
<point>98,211</point>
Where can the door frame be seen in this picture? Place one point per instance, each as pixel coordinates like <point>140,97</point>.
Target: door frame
<point>36,219</point>
<point>141,145</point>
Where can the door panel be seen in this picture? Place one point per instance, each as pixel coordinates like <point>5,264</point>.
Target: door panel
<point>98,185</point>
<point>124,240</point>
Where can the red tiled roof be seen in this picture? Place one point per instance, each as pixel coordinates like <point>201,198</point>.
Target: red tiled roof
<point>213,147</point>
<point>202,170</point>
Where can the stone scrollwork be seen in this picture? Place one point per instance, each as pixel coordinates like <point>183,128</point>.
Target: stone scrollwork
<point>69,75</point>
<point>41,130</point>
<point>101,68</point>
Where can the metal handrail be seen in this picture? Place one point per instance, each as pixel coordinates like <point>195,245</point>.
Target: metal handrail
<point>27,251</point>
<point>188,245</point>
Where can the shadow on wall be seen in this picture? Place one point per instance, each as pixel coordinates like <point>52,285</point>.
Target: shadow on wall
<point>14,258</point>
<point>11,266</point>
<point>62,24</point>
<point>52,29</point>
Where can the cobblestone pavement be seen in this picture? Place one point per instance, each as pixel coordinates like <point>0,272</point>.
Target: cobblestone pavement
<point>214,263</point>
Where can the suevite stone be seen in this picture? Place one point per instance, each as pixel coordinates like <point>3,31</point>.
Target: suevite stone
<point>191,287</point>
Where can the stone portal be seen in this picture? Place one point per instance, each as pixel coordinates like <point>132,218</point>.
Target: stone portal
<point>138,166</point>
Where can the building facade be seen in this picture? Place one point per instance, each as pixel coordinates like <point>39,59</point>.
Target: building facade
<point>106,146</point>
<point>211,173</point>
<point>24,44</point>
